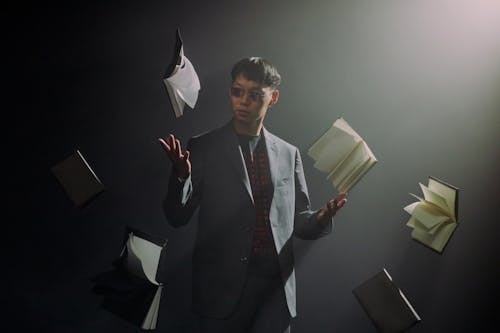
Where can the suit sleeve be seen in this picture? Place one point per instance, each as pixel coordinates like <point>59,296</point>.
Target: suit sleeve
<point>306,225</point>
<point>183,196</point>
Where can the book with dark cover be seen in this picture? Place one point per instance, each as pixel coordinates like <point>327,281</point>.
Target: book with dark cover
<point>434,217</point>
<point>385,304</point>
<point>133,289</point>
<point>181,80</point>
<point>78,179</point>
<point>176,55</point>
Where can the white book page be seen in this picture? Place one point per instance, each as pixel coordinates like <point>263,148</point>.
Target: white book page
<point>412,222</point>
<point>416,224</point>
<point>438,210</point>
<point>357,175</point>
<point>151,318</point>
<point>438,240</point>
<point>349,165</point>
<point>331,149</point>
<point>148,253</point>
<point>427,216</point>
<point>175,100</point>
<point>186,82</point>
<point>369,151</point>
<point>343,155</point>
<point>417,197</point>
<point>449,194</point>
<point>344,126</point>
<point>348,182</point>
<point>156,301</point>
<point>133,262</point>
<point>409,209</point>
<point>436,228</point>
<point>434,198</point>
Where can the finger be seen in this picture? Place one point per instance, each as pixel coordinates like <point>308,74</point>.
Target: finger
<point>341,203</point>
<point>186,155</point>
<point>168,139</point>
<point>171,141</point>
<point>331,206</point>
<point>178,148</point>
<point>165,145</point>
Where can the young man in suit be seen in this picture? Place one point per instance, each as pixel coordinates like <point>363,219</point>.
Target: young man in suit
<point>252,196</point>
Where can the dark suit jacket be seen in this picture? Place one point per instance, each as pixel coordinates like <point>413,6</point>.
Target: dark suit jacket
<point>220,187</point>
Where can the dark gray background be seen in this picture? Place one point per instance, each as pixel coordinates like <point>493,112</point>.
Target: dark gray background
<point>419,80</point>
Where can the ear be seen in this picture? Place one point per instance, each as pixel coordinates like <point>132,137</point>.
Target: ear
<point>274,97</point>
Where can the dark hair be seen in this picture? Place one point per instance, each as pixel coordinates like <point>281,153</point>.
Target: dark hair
<point>257,69</point>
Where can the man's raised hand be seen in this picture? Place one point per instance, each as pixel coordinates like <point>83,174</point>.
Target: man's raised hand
<point>331,207</point>
<point>179,159</point>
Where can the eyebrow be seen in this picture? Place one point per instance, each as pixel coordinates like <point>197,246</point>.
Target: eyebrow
<point>259,89</point>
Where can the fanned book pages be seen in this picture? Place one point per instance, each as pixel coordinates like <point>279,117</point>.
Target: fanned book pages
<point>434,217</point>
<point>385,304</point>
<point>181,81</point>
<point>133,289</point>
<point>343,155</point>
<point>78,179</point>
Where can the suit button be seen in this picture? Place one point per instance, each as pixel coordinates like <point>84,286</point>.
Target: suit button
<point>243,259</point>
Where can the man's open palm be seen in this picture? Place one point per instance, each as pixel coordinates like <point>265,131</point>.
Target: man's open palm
<point>179,159</point>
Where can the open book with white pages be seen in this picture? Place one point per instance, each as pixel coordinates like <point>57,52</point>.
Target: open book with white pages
<point>133,289</point>
<point>181,80</point>
<point>434,217</point>
<point>343,154</point>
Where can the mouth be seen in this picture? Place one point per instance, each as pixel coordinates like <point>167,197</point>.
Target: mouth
<point>242,112</point>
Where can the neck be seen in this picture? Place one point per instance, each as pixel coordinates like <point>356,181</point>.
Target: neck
<point>246,128</point>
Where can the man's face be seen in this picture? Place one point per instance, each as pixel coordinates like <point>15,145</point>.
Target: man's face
<point>250,100</point>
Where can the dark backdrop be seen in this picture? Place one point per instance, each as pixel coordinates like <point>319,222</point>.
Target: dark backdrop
<point>419,80</point>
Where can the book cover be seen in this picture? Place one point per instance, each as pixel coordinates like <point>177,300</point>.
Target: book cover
<point>385,304</point>
<point>78,179</point>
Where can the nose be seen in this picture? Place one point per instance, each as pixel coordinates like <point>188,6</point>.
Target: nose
<point>245,99</point>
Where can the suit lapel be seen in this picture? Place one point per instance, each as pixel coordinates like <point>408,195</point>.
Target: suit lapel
<point>272,153</point>
<point>235,156</point>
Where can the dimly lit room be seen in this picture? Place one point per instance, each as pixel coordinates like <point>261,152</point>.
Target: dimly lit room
<point>417,82</point>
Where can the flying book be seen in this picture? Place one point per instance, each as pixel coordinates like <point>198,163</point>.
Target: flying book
<point>133,289</point>
<point>434,217</point>
<point>181,81</point>
<point>343,155</point>
<point>78,179</point>
<point>385,304</point>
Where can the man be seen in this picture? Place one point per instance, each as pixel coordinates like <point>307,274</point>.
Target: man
<point>251,192</point>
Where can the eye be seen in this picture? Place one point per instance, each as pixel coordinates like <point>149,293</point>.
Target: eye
<point>237,92</point>
<point>255,95</point>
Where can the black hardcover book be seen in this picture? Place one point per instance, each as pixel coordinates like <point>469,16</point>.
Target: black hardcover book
<point>176,55</point>
<point>78,179</point>
<point>133,289</point>
<point>385,304</point>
